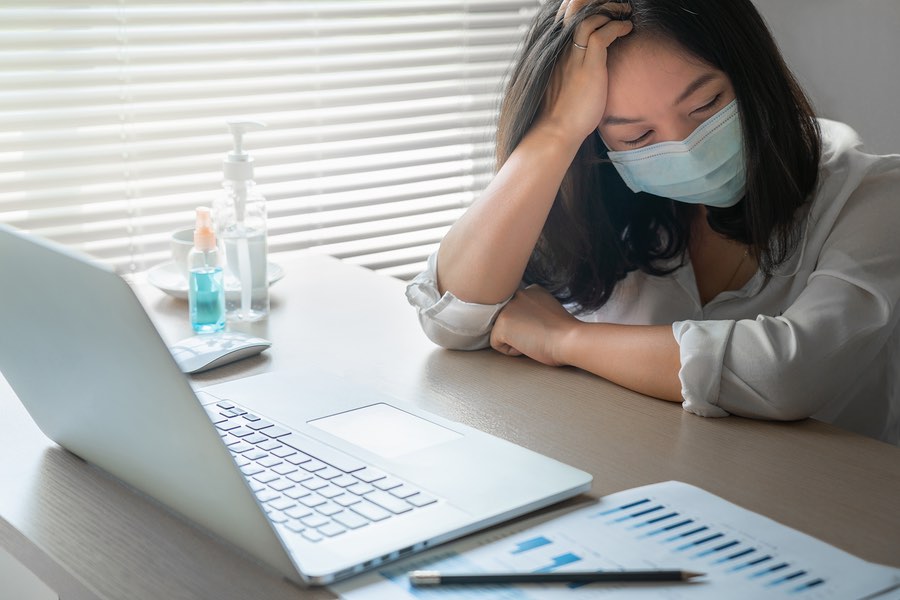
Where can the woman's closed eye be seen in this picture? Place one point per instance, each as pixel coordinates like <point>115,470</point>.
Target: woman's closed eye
<point>638,140</point>
<point>709,105</point>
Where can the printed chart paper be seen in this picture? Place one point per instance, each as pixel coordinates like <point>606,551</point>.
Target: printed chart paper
<point>670,525</point>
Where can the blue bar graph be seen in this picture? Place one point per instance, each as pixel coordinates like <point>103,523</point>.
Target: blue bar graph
<point>752,563</point>
<point>718,548</point>
<point>734,556</point>
<point>623,507</point>
<point>686,534</point>
<point>668,528</point>
<point>765,572</point>
<point>558,561</point>
<point>654,521</point>
<point>638,514</point>
<point>531,544</point>
<point>781,580</point>
<point>807,585</point>
<point>708,538</point>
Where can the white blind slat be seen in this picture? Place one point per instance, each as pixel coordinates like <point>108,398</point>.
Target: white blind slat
<point>380,118</point>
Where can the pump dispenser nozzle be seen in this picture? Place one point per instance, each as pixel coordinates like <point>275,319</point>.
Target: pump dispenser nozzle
<point>238,165</point>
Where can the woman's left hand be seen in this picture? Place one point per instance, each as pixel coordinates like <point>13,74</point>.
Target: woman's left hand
<point>535,324</point>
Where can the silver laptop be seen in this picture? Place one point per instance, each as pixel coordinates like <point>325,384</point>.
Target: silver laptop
<point>308,473</point>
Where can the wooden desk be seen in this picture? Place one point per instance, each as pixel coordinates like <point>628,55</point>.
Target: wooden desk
<point>88,536</point>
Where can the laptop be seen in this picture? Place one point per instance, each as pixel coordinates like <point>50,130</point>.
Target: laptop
<point>309,473</point>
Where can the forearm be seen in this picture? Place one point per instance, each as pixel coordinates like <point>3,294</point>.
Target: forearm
<point>483,256</point>
<point>644,358</point>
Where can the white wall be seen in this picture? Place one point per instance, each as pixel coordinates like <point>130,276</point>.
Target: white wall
<point>846,54</point>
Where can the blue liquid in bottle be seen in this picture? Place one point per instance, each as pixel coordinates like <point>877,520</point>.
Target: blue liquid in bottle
<point>206,296</point>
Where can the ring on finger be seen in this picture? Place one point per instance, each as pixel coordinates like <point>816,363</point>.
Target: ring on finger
<point>579,46</point>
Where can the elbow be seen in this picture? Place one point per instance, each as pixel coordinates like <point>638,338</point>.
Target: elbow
<point>453,340</point>
<point>778,397</point>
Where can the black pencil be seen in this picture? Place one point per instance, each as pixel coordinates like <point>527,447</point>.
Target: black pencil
<point>425,578</point>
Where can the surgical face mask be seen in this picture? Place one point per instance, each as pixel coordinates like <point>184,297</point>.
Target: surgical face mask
<point>706,168</point>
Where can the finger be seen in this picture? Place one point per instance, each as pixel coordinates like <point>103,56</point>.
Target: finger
<point>600,39</point>
<point>572,8</point>
<point>586,27</point>
<point>561,11</point>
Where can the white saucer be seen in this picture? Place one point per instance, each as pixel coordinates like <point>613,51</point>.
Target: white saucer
<point>167,278</point>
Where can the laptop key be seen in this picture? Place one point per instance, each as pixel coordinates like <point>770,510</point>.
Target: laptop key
<point>312,500</point>
<point>255,485</point>
<point>256,438</point>
<point>266,476</point>
<point>251,469</point>
<point>404,491</point>
<point>215,416</point>
<point>255,454</point>
<point>297,492</point>
<point>329,508</point>
<point>361,489</point>
<point>314,483</point>
<point>331,529</point>
<point>346,499</point>
<point>275,431</point>
<point>267,495</point>
<point>284,469</point>
<point>344,480</point>
<point>241,461</point>
<point>369,475</point>
<point>298,512</point>
<point>330,491</point>
<point>281,484</point>
<point>350,520</point>
<point>240,447</point>
<point>295,526</point>
<point>314,465</point>
<point>260,424</point>
<point>335,458</point>
<point>328,473</point>
<point>370,511</point>
<point>268,445</point>
<point>251,417</point>
<point>388,483</point>
<point>314,520</point>
<point>300,476</point>
<point>269,461</point>
<point>240,431</point>
<point>227,425</point>
<point>298,458</point>
<point>284,452</point>
<point>312,535</point>
<point>420,499</point>
<point>281,504</point>
<point>385,500</point>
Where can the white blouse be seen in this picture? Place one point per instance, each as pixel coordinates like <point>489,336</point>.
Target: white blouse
<point>819,338</point>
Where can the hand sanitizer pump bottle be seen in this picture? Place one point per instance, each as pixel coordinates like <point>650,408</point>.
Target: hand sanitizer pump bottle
<point>240,216</point>
<point>206,299</point>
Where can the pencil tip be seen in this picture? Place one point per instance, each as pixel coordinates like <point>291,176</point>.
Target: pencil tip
<point>691,574</point>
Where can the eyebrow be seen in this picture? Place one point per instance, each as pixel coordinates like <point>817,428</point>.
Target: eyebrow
<point>690,89</point>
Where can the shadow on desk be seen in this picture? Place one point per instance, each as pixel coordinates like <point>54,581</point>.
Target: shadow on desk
<point>130,545</point>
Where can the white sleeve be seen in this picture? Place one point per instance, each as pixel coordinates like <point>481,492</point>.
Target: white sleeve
<point>789,366</point>
<point>447,320</point>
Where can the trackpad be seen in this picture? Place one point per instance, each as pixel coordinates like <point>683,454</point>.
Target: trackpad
<point>385,430</point>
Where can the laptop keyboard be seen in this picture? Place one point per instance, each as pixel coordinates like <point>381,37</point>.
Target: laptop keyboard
<point>307,486</point>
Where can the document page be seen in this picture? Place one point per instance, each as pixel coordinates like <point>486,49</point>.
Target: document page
<point>670,525</point>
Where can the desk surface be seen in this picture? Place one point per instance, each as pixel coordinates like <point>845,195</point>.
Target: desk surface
<point>88,536</point>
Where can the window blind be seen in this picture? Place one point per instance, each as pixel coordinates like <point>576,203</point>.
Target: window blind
<point>380,119</point>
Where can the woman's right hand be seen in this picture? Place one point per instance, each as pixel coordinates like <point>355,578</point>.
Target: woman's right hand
<point>576,97</point>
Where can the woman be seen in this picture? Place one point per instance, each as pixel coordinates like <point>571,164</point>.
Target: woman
<point>669,215</point>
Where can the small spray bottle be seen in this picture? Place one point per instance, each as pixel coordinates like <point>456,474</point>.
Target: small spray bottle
<point>206,289</point>
<point>241,224</point>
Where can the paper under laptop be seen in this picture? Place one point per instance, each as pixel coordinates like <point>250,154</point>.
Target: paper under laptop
<point>359,478</point>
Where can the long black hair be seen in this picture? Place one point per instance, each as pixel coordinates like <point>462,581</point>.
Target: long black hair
<point>598,230</point>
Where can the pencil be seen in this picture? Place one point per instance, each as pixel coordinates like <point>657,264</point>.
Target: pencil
<point>426,578</point>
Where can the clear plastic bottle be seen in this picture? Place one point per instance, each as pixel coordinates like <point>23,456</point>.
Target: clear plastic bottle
<point>206,285</point>
<point>240,215</point>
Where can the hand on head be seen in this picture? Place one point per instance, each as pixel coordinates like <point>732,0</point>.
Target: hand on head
<point>576,97</point>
